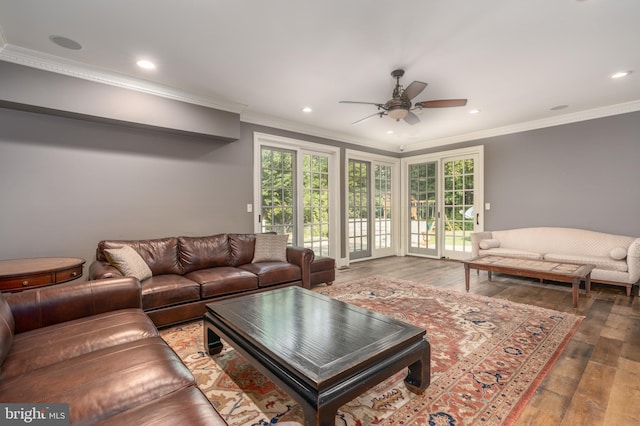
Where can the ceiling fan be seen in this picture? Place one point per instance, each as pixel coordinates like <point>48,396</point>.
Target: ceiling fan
<point>399,106</point>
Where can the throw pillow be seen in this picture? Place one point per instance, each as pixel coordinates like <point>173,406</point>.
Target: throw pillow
<point>270,248</point>
<point>128,262</point>
<point>618,253</point>
<point>490,243</point>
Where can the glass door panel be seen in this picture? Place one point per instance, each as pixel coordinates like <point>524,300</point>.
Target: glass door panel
<point>359,209</point>
<point>382,208</point>
<point>315,207</point>
<point>277,204</point>
<point>423,213</point>
<point>460,215</point>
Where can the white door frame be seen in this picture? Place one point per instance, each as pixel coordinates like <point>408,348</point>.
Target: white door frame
<point>439,157</point>
<point>300,147</point>
<point>351,154</point>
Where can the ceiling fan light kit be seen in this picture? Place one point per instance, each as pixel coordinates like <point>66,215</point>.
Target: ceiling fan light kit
<point>399,106</point>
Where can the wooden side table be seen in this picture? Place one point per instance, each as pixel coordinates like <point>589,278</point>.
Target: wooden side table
<point>21,274</point>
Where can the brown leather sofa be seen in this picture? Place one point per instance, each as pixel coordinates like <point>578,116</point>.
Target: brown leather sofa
<point>90,345</point>
<point>189,272</point>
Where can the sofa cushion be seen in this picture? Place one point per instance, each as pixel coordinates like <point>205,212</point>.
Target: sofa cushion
<point>126,260</point>
<point>105,382</point>
<point>167,290</point>
<point>601,262</point>
<point>500,251</point>
<point>7,327</point>
<point>160,254</point>
<point>618,253</point>
<point>203,252</point>
<point>46,346</point>
<point>242,246</point>
<point>187,406</point>
<point>490,243</point>
<point>270,248</point>
<point>223,280</point>
<point>272,273</point>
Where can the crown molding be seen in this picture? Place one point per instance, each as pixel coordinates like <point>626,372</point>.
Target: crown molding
<point>292,126</point>
<point>43,61</point>
<point>575,117</point>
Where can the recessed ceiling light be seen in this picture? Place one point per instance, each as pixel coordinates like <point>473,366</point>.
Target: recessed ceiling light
<point>389,132</point>
<point>146,64</point>
<point>620,74</point>
<point>474,111</point>
<point>307,109</point>
<point>65,42</point>
<point>558,107</point>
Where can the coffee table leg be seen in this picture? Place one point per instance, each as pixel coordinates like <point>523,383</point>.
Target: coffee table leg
<point>419,376</point>
<point>212,342</point>
<point>575,286</point>
<point>587,283</point>
<point>319,417</point>
<point>466,276</point>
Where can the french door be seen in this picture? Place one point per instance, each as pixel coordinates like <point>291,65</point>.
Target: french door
<point>359,209</point>
<point>443,203</point>
<point>371,221</point>
<point>296,194</point>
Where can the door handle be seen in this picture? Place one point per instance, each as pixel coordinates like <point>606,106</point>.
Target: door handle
<point>477,218</point>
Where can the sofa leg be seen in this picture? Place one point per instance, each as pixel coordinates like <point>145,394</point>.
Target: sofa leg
<point>329,282</point>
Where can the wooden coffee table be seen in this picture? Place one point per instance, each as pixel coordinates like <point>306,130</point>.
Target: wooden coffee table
<point>543,269</point>
<point>321,351</point>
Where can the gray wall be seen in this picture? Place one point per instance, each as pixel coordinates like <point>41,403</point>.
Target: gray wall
<point>65,184</point>
<point>581,175</point>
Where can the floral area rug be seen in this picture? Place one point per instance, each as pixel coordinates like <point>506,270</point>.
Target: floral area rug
<point>488,356</point>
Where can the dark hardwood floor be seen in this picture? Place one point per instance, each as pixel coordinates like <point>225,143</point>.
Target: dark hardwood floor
<point>596,380</point>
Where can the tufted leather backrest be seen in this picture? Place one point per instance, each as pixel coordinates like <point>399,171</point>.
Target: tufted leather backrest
<point>160,254</point>
<point>242,248</point>
<point>7,328</point>
<point>197,253</point>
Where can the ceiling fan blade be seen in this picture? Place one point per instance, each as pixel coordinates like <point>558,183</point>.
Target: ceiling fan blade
<point>364,103</point>
<point>411,118</point>
<point>362,120</point>
<point>414,89</point>
<point>442,103</point>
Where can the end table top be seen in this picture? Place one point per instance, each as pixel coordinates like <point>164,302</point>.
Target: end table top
<point>36,265</point>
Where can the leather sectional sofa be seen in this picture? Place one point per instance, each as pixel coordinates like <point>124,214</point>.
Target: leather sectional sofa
<point>189,272</point>
<point>90,345</point>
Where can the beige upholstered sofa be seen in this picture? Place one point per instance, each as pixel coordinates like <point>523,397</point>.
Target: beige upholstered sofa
<point>616,257</point>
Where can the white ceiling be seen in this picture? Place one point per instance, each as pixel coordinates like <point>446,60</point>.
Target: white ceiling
<point>513,60</point>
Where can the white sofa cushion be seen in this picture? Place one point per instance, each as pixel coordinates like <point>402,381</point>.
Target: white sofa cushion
<point>601,262</point>
<point>490,243</point>
<point>618,253</point>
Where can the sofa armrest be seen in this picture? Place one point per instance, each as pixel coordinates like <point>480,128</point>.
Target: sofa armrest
<point>476,237</point>
<point>633,261</point>
<point>302,257</point>
<point>100,269</point>
<point>55,304</point>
